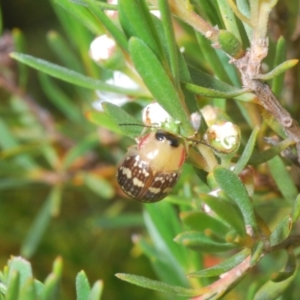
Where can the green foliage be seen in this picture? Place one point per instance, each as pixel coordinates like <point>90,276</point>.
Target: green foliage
<point>17,282</point>
<point>237,207</point>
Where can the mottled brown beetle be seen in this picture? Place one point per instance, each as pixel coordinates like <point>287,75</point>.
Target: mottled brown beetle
<point>151,169</point>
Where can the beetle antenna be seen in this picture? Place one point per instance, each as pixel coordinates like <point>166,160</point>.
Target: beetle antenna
<point>136,124</point>
<point>187,138</point>
<point>203,143</point>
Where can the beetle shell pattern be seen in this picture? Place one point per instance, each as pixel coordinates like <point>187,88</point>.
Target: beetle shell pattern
<point>151,169</point>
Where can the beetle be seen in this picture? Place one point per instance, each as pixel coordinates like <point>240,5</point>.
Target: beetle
<point>151,168</point>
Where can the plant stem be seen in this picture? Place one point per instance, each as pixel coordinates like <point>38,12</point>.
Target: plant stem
<point>178,8</point>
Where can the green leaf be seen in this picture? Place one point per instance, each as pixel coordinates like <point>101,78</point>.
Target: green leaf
<point>253,287</point>
<point>198,241</point>
<point>205,92</point>
<point>157,285</point>
<point>80,149</point>
<point>19,44</point>
<point>256,252</point>
<point>13,286</point>
<point>21,266</point>
<point>40,224</point>
<point>234,188</point>
<point>243,160</point>
<point>63,51</point>
<point>272,290</point>
<point>79,36</point>
<point>60,99</point>
<point>292,10</point>
<point>229,18</point>
<point>201,221</point>
<point>110,26</point>
<point>159,83</point>
<point>264,156</point>
<point>158,260</point>
<point>57,267</point>
<point>161,264</point>
<point>244,9</point>
<point>8,141</point>
<point>166,19</point>
<point>82,14</point>
<point>27,291</point>
<point>278,70</point>
<point>280,276</point>
<point>39,288</point>
<point>289,270</point>
<point>283,179</point>
<point>124,220</point>
<point>162,224</point>
<point>222,267</point>
<point>183,71</point>
<point>82,286</point>
<point>102,5</point>
<point>9,183</point>
<point>281,232</point>
<point>136,21</point>
<point>296,209</point>
<point>70,75</point>
<point>211,58</point>
<point>226,211</point>
<point>103,120</point>
<point>99,186</point>
<point>205,80</point>
<point>280,56</point>
<point>50,155</point>
<point>271,121</point>
<point>51,288</point>
<point>22,149</point>
<point>190,99</point>
<point>119,116</point>
<point>96,291</point>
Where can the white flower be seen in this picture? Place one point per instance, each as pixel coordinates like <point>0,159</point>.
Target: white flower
<point>155,13</point>
<point>121,80</point>
<point>154,114</point>
<point>195,118</point>
<point>112,14</point>
<point>226,134</point>
<point>102,48</point>
<point>210,114</point>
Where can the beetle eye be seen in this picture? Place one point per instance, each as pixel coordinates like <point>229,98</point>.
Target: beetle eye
<point>174,142</point>
<point>162,135</point>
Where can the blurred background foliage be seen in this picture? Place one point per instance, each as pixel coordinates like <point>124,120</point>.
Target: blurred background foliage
<point>58,194</point>
<point>36,133</point>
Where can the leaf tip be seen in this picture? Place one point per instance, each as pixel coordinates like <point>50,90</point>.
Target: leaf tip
<point>120,275</point>
<point>13,54</point>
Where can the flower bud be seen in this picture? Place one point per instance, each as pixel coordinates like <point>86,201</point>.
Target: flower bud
<point>118,79</point>
<point>112,14</point>
<point>105,51</point>
<point>230,44</point>
<point>223,137</point>
<point>196,120</point>
<point>154,114</point>
<point>212,115</point>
